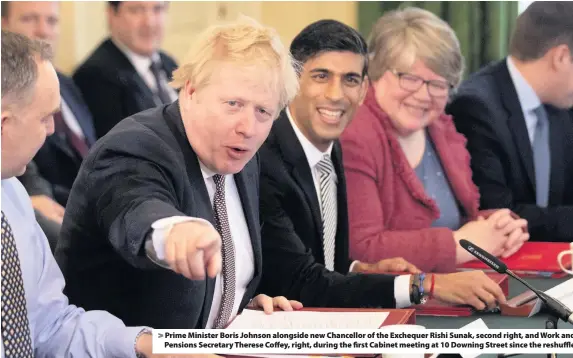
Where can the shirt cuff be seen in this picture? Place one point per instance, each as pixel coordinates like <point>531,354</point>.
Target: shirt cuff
<point>352,265</point>
<point>162,228</point>
<point>402,291</point>
<point>122,343</point>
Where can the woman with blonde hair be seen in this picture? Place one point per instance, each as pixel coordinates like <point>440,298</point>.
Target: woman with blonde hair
<point>410,189</point>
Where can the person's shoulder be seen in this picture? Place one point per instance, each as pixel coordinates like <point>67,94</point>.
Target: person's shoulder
<point>144,135</point>
<point>103,61</point>
<point>481,85</point>
<point>14,191</point>
<point>167,59</point>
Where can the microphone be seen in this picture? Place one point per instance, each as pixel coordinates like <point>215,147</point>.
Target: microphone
<point>558,308</point>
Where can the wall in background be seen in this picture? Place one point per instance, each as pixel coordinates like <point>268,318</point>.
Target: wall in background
<point>84,23</point>
<point>482,27</point>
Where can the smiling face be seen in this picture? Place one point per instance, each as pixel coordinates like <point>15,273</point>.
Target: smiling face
<point>410,111</point>
<point>331,89</point>
<point>229,118</point>
<point>139,25</point>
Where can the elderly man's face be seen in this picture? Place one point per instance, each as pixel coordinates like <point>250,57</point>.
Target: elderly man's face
<point>26,124</point>
<point>34,19</point>
<point>139,25</point>
<point>228,119</point>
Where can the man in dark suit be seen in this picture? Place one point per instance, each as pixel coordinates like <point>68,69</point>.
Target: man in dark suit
<point>304,214</point>
<point>59,159</point>
<point>127,73</point>
<point>171,194</point>
<point>520,136</point>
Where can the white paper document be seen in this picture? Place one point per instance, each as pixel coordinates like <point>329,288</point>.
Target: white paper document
<point>477,324</point>
<point>562,292</point>
<point>251,319</point>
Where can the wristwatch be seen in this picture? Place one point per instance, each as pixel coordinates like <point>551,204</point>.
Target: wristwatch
<point>142,332</point>
<point>417,294</point>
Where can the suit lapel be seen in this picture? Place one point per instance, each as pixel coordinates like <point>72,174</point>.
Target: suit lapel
<point>294,156</point>
<point>59,141</point>
<point>341,262</point>
<point>197,182</point>
<point>128,73</point>
<point>557,119</point>
<point>148,99</point>
<point>80,112</point>
<point>516,121</point>
<point>248,193</point>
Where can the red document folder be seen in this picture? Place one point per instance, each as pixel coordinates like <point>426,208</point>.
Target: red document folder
<point>436,308</point>
<point>533,259</point>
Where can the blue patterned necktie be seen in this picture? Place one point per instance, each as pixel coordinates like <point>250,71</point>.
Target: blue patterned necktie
<point>541,157</point>
<point>15,327</point>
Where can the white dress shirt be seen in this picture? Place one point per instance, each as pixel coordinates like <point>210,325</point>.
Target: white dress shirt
<point>142,64</point>
<point>57,328</point>
<point>244,257</point>
<point>313,156</point>
<point>70,119</point>
<point>528,99</point>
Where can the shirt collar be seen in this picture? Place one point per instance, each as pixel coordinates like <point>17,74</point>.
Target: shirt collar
<point>207,173</point>
<point>528,99</point>
<point>141,63</point>
<point>313,154</point>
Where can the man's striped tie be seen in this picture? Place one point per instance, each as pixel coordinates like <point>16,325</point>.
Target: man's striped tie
<point>329,209</point>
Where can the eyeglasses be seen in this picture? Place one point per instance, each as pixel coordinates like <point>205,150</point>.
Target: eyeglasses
<point>412,83</point>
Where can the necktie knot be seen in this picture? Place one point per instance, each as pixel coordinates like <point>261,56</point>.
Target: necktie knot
<point>325,165</point>
<point>219,182</point>
<point>541,116</point>
<point>155,67</point>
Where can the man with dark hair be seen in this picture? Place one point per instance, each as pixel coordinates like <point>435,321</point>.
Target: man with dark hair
<point>50,176</point>
<point>514,115</point>
<point>127,73</point>
<point>303,206</point>
<point>36,317</point>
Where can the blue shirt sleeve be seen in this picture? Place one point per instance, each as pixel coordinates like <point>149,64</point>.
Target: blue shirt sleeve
<point>58,329</point>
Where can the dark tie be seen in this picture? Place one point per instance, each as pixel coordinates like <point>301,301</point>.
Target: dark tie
<point>15,328</point>
<point>329,209</point>
<point>78,143</point>
<point>222,225</point>
<point>541,157</point>
<point>156,69</point>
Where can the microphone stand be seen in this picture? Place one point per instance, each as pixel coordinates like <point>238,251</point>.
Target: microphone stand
<point>549,302</point>
<point>557,309</point>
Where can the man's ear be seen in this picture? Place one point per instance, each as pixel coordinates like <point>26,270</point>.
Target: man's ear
<point>6,116</point>
<point>189,89</point>
<point>560,57</point>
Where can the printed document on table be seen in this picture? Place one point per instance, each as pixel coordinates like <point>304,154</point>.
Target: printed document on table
<point>477,324</point>
<point>251,319</point>
<point>562,292</point>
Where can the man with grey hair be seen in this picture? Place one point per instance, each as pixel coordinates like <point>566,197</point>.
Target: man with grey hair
<point>520,135</point>
<point>49,177</point>
<point>36,317</point>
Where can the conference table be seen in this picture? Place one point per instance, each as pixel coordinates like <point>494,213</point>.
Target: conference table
<point>497,321</point>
